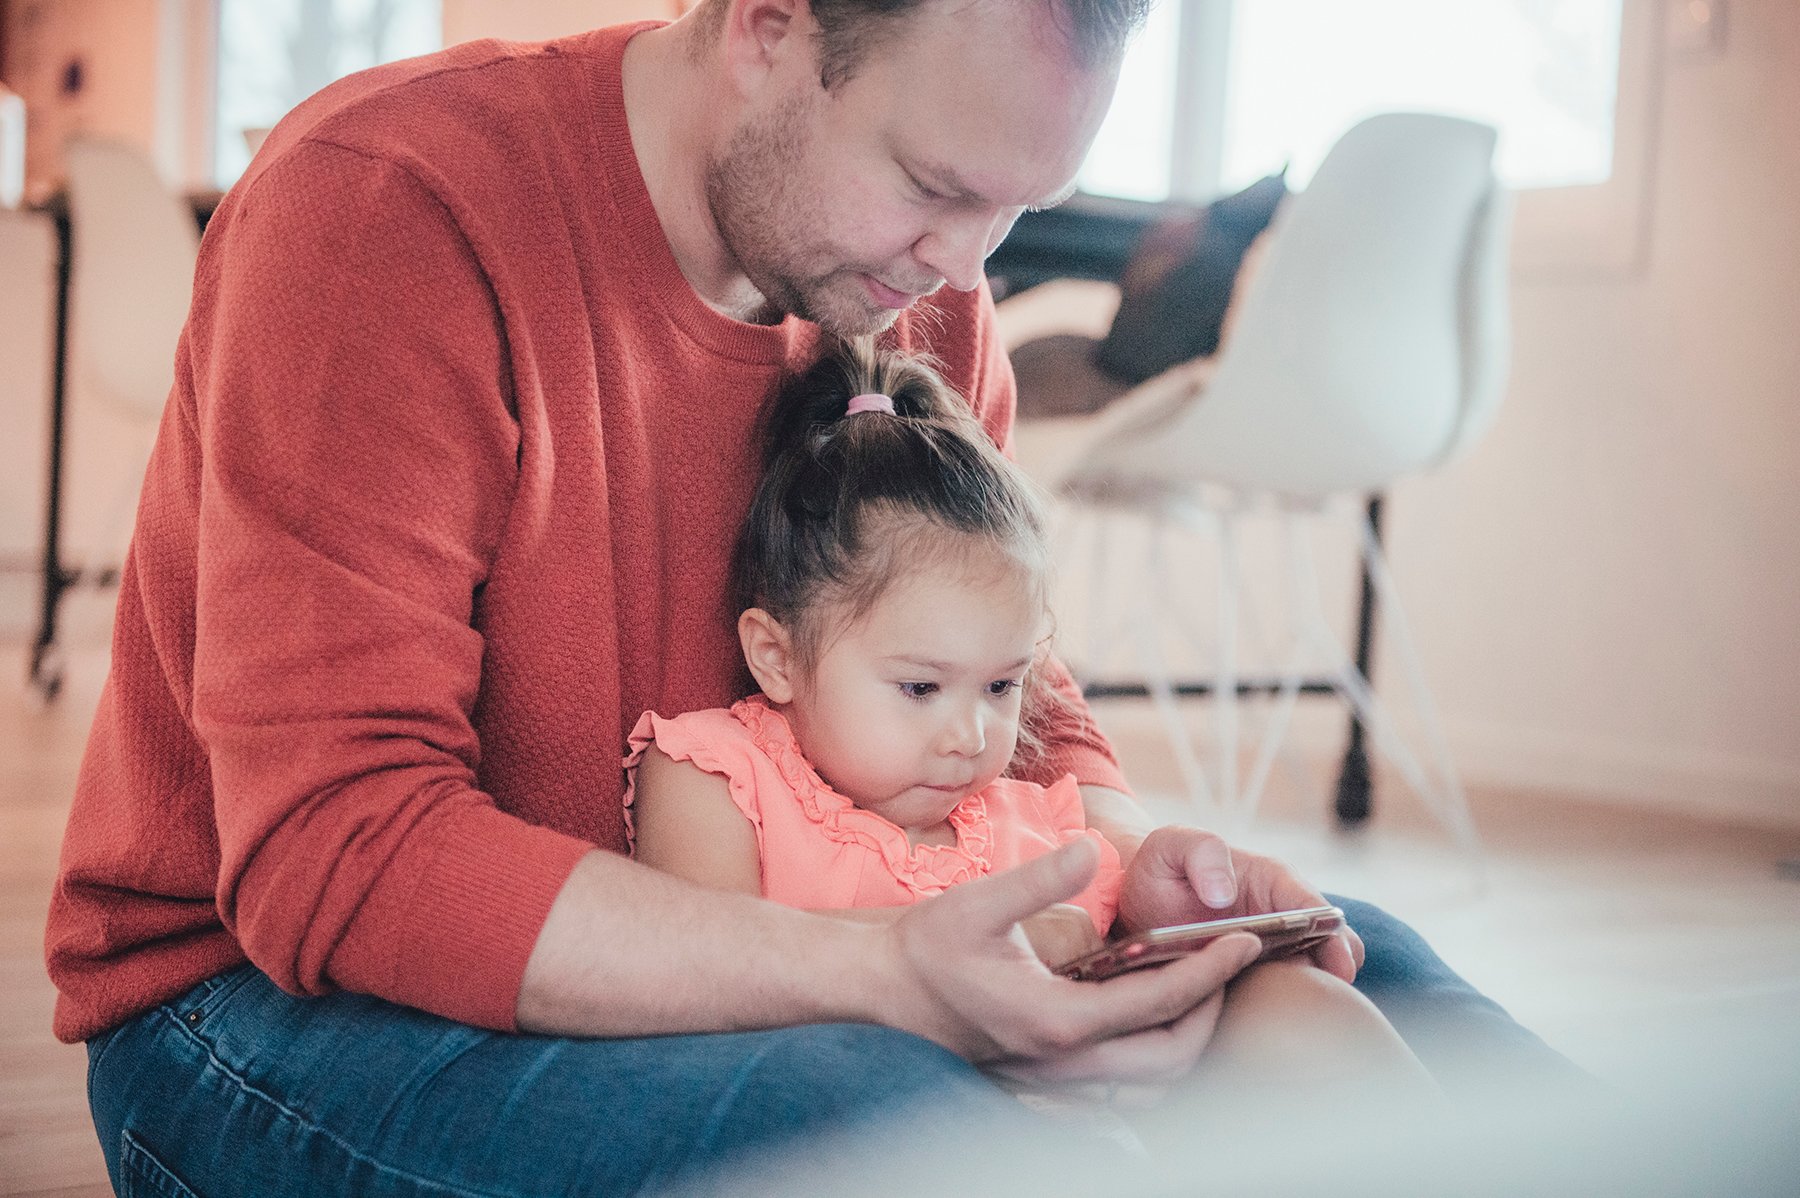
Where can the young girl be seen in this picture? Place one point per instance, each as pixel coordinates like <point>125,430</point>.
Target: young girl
<point>892,576</point>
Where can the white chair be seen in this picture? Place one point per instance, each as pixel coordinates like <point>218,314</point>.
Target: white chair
<point>1371,345</point>
<point>135,242</point>
<point>133,247</point>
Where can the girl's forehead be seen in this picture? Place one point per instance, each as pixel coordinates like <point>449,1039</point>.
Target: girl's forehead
<point>958,610</point>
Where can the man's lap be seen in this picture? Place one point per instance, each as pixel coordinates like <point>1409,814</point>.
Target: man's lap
<point>239,1084</point>
<point>1467,1040</point>
<point>238,1087</point>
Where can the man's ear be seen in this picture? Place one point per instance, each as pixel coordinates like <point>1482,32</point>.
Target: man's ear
<point>769,652</point>
<point>760,35</point>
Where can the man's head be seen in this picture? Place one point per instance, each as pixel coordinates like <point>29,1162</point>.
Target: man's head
<point>882,148</point>
<point>849,31</point>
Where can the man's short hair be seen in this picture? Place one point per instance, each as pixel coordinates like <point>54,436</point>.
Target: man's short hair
<point>851,30</point>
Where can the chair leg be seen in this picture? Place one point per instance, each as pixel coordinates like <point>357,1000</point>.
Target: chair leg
<point>1093,643</point>
<point>1454,802</point>
<point>1446,803</point>
<point>1146,633</point>
<point>1098,635</point>
<point>1355,787</point>
<point>1287,696</point>
<point>46,657</point>
<point>1225,692</point>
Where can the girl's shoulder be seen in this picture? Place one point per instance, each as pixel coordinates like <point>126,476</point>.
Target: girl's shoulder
<point>680,735</point>
<point>713,741</point>
<point>748,737</point>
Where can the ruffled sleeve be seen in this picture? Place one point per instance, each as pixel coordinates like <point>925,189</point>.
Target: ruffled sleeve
<point>712,740</point>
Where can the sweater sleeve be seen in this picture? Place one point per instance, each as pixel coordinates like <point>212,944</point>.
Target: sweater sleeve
<point>359,457</point>
<point>1072,741</point>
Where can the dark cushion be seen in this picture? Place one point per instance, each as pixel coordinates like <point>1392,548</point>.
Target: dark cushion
<point>1057,377</point>
<point>1178,283</point>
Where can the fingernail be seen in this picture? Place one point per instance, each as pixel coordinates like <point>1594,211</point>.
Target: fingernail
<point>1216,889</point>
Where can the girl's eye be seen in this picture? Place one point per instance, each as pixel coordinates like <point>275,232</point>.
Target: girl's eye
<point>918,690</point>
<point>1003,687</point>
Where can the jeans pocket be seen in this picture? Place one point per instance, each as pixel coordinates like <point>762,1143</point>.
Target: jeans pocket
<point>142,1175</point>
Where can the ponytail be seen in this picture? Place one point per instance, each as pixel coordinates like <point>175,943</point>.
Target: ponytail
<point>928,466</point>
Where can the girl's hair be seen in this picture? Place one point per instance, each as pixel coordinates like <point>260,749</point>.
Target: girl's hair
<point>847,503</point>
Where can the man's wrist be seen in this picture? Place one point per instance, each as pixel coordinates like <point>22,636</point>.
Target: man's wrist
<point>891,989</point>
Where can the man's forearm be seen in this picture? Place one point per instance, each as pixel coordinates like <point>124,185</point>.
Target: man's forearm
<point>630,951</point>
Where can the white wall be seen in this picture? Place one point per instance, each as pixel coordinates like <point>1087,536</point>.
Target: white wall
<point>1609,589</point>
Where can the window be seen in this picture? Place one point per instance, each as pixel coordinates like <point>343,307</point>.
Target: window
<point>1217,93</point>
<point>274,53</point>
<point>1541,71</point>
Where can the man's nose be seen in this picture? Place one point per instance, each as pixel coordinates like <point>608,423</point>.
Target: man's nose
<point>955,248</point>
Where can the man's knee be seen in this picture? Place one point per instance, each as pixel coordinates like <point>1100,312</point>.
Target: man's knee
<point>1395,954</point>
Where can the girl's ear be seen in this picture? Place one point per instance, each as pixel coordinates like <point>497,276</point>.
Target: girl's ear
<point>769,652</point>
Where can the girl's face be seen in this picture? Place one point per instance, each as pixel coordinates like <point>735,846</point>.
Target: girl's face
<point>917,705</point>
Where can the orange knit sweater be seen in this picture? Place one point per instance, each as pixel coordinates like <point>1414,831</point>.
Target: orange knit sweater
<point>442,501</point>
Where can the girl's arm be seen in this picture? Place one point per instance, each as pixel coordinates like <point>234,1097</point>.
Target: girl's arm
<point>688,826</point>
<point>1117,817</point>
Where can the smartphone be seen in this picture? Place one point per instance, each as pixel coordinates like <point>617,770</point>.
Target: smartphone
<point>1283,934</point>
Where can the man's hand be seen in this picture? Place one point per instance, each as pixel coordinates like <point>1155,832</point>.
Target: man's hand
<point>1060,933</point>
<point>966,977</point>
<point>1186,875</point>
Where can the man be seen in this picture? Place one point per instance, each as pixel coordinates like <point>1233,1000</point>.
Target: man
<point>463,425</point>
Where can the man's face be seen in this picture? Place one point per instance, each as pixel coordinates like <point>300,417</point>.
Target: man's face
<point>844,207</point>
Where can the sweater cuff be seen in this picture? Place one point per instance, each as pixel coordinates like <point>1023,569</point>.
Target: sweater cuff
<point>1091,767</point>
<point>477,913</point>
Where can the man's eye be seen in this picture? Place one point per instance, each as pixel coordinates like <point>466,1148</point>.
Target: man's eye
<point>924,192</point>
<point>918,690</point>
<point>1003,687</point>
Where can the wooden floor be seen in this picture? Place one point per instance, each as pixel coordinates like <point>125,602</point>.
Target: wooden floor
<point>1609,930</point>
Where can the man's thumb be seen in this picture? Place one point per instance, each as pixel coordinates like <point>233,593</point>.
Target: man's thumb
<point>1000,901</point>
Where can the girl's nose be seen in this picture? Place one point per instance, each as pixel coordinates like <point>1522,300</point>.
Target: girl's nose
<point>966,736</point>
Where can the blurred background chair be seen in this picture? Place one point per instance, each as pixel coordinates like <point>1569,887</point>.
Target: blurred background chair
<point>1371,345</point>
<point>133,244</point>
<point>27,342</point>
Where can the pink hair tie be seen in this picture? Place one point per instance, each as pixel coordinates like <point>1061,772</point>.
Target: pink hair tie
<point>874,401</point>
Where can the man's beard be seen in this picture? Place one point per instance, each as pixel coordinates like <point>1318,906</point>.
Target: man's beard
<point>753,193</point>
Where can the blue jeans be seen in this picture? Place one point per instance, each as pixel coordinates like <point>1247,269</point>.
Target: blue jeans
<point>238,1088</point>
<point>1467,1040</point>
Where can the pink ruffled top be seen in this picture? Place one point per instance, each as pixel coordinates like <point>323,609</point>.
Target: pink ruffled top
<point>821,851</point>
